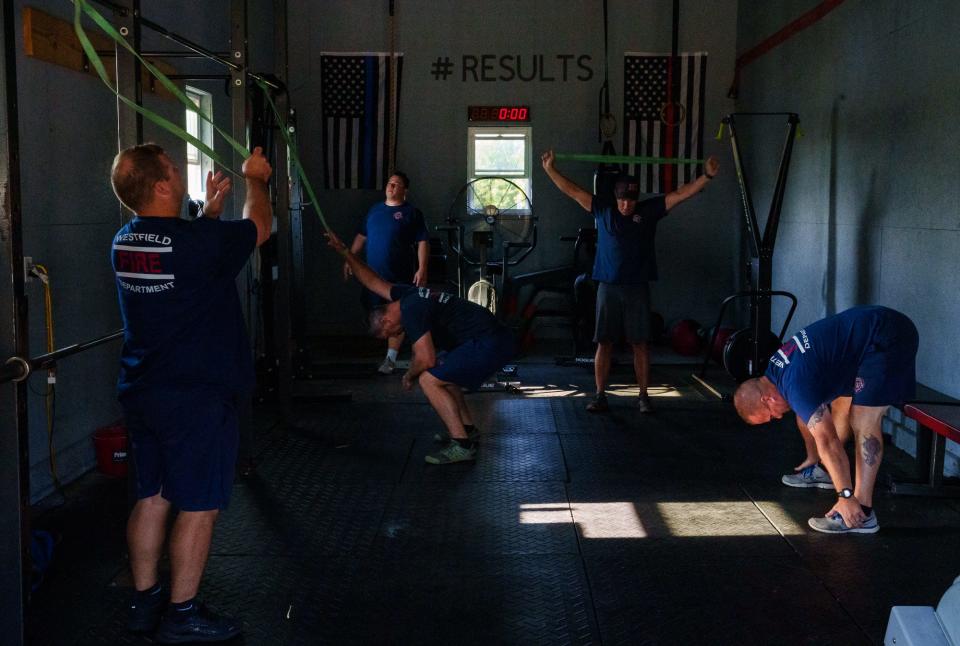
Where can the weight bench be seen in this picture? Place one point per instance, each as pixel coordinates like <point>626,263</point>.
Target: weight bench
<point>938,422</point>
<point>924,626</point>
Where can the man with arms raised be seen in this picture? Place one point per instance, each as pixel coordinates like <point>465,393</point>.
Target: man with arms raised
<point>186,362</point>
<point>625,263</point>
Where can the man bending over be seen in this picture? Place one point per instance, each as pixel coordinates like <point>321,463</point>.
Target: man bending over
<point>476,346</point>
<point>839,375</point>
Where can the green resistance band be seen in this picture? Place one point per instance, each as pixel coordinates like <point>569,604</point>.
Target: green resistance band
<point>84,7</point>
<point>292,151</point>
<point>81,7</point>
<point>625,159</point>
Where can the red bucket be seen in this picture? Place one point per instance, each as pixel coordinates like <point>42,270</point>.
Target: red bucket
<point>110,444</point>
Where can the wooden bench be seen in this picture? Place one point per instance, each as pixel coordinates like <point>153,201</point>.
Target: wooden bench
<point>936,423</point>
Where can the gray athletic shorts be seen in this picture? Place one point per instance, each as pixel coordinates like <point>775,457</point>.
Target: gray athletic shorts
<point>623,313</point>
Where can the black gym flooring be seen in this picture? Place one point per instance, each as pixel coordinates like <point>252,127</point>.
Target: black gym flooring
<point>570,528</point>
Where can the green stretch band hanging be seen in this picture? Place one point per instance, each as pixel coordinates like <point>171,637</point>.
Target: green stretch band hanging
<point>82,6</point>
<point>292,152</point>
<point>624,159</point>
<point>175,90</point>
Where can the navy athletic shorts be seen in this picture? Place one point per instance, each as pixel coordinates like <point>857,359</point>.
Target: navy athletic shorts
<point>470,363</point>
<point>184,445</point>
<point>623,313</point>
<point>887,373</point>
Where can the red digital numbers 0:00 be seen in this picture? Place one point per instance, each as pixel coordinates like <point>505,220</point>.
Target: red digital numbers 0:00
<point>498,113</point>
<point>512,114</point>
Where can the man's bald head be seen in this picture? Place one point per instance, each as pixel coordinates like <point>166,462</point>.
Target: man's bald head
<point>758,401</point>
<point>746,399</point>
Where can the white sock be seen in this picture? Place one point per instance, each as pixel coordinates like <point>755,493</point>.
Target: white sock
<point>392,355</point>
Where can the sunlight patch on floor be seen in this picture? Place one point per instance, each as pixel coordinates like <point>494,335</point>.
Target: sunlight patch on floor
<point>615,390</point>
<point>615,519</point>
<point>664,519</point>
<point>631,390</point>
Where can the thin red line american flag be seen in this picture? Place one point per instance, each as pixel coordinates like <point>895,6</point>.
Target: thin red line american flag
<point>647,89</point>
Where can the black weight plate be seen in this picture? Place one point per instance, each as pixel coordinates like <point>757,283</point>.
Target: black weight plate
<point>738,351</point>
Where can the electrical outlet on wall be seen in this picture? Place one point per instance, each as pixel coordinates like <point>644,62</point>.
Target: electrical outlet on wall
<point>28,269</point>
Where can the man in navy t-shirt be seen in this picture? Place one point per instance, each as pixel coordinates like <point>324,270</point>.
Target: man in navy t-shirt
<point>185,362</point>
<point>390,231</point>
<point>839,375</point>
<point>474,343</point>
<point>624,265</point>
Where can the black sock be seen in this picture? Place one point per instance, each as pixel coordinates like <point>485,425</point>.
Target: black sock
<point>184,607</point>
<point>465,443</point>
<point>866,510</point>
<point>149,592</point>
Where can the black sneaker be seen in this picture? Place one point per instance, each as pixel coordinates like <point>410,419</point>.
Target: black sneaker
<point>144,611</point>
<point>197,625</point>
<point>598,404</point>
<point>644,405</point>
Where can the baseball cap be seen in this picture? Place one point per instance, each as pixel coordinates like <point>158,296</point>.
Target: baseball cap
<point>626,188</point>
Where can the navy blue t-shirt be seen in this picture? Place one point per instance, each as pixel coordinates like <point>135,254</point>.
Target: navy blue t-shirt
<point>820,362</point>
<point>392,232</point>
<point>181,312</point>
<point>450,320</point>
<point>625,245</point>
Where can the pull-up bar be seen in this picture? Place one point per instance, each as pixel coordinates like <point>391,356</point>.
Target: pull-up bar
<point>160,54</point>
<point>200,50</point>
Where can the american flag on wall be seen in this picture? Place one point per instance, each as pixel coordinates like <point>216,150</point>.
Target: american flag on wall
<point>357,118</point>
<point>650,131</point>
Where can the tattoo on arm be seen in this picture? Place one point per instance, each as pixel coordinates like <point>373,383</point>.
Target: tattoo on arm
<point>871,448</point>
<point>817,415</point>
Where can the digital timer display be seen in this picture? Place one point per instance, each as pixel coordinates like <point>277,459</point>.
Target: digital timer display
<point>498,113</point>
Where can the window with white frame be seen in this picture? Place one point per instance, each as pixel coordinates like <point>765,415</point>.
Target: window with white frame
<point>198,164</point>
<point>502,152</point>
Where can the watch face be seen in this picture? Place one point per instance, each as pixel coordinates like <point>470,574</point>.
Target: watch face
<point>845,493</point>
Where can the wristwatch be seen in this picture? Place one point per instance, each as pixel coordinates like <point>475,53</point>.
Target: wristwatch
<point>708,175</point>
<point>845,493</point>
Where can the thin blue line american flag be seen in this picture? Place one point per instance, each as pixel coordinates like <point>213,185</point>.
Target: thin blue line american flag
<point>646,83</point>
<point>357,118</point>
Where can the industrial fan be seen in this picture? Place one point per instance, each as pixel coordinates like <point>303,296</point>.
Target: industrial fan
<point>493,228</point>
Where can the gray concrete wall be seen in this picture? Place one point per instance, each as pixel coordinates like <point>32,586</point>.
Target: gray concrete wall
<point>871,209</point>
<point>697,244</point>
<point>68,140</point>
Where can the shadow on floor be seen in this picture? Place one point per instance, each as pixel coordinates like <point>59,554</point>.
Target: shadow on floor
<point>570,528</point>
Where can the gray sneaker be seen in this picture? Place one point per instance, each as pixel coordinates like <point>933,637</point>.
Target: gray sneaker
<point>812,476</point>
<point>387,367</point>
<point>452,452</point>
<point>833,524</point>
